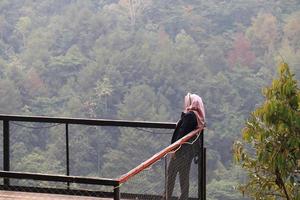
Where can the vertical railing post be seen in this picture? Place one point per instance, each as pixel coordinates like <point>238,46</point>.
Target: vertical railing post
<point>166,179</point>
<point>67,153</point>
<point>204,174</point>
<point>6,162</point>
<point>200,167</point>
<point>117,195</point>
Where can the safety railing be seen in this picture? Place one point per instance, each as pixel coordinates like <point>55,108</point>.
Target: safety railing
<point>7,174</point>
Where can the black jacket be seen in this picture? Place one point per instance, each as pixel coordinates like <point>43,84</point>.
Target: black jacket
<point>186,124</point>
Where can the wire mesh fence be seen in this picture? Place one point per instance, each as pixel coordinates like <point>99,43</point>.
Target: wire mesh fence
<point>133,147</point>
<point>150,181</point>
<point>41,148</point>
<point>173,176</point>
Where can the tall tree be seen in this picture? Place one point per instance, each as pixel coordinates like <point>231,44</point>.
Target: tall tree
<point>292,30</point>
<point>264,32</point>
<point>241,52</point>
<point>270,148</point>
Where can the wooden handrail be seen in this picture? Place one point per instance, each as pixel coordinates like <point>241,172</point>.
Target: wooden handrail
<point>157,156</point>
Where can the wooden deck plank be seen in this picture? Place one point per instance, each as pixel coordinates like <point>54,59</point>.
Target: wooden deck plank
<point>9,195</point>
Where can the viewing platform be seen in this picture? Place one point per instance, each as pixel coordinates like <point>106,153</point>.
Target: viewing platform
<point>147,179</point>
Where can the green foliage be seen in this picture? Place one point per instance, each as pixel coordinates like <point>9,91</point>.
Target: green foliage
<point>272,134</point>
<point>10,97</point>
<point>136,60</point>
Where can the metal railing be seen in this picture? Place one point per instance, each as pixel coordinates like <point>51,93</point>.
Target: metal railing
<point>6,174</point>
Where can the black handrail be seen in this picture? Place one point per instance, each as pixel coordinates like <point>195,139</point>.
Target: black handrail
<point>90,122</point>
<point>59,178</point>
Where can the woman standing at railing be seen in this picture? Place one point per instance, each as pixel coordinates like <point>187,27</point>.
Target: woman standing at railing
<point>192,117</point>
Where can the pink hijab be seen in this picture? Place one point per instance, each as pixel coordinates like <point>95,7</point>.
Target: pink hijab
<point>193,102</point>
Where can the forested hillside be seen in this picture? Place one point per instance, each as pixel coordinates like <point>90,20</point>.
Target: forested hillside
<point>135,60</point>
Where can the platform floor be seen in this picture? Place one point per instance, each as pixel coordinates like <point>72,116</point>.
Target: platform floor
<point>8,195</point>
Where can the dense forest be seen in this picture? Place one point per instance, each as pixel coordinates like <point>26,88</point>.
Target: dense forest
<point>136,60</point>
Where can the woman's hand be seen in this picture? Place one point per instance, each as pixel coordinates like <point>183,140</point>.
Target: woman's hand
<point>173,155</point>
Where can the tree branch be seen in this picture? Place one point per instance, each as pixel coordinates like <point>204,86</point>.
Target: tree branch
<point>280,183</point>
